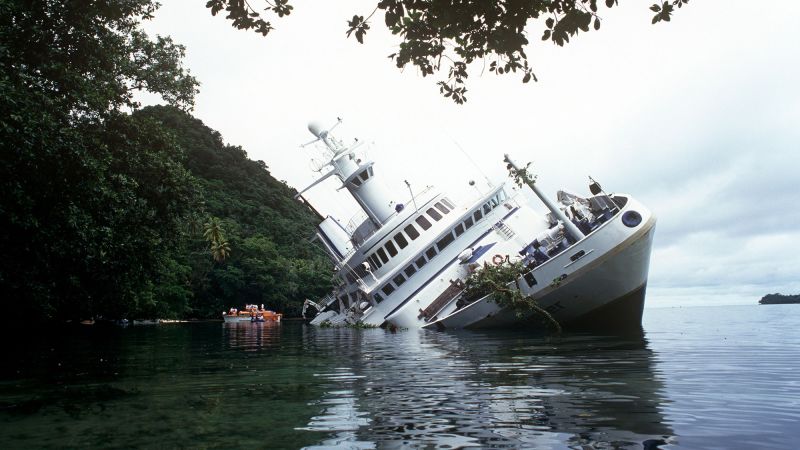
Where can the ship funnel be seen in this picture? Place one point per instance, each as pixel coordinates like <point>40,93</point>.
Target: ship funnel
<point>317,130</point>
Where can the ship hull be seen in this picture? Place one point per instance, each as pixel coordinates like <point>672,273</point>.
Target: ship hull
<point>606,293</point>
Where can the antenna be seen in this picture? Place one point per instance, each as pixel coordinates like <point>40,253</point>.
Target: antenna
<point>413,200</point>
<point>489,182</point>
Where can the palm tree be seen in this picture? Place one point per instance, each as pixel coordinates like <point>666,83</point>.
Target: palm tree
<point>220,250</point>
<point>215,235</point>
<point>213,231</point>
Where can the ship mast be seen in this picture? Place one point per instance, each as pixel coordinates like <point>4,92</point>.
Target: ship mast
<point>573,231</point>
<point>356,175</point>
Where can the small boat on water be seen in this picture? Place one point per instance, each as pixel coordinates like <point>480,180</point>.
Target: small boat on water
<point>251,313</point>
<point>405,262</point>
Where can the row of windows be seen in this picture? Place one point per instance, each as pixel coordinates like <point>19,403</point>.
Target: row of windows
<point>399,241</point>
<point>434,250</point>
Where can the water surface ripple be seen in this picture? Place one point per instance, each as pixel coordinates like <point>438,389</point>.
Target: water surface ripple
<point>722,377</point>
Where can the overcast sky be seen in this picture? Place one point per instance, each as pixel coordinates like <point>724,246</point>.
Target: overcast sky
<point>698,118</point>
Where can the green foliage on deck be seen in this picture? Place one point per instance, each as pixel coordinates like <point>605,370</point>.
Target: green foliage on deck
<point>501,281</point>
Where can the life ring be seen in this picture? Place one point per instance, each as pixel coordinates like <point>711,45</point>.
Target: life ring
<point>498,259</point>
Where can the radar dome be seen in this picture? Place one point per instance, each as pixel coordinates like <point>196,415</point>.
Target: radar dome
<point>317,130</point>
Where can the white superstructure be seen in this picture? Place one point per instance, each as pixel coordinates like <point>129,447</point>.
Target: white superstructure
<point>404,261</point>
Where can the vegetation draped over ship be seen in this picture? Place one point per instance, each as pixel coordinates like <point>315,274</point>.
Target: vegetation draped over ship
<point>113,214</point>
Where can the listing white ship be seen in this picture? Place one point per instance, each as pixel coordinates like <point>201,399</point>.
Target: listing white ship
<point>585,259</point>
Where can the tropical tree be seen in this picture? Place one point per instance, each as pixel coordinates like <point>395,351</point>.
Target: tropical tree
<point>101,202</point>
<point>447,36</point>
<point>94,199</point>
<point>220,250</point>
<point>213,231</point>
<point>215,235</point>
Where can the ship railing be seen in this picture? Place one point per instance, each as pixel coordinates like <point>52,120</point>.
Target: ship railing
<point>327,300</point>
<point>355,221</point>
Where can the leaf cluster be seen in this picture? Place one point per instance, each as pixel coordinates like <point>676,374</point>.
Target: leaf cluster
<point>521,176</point>
<point>663,12</point>
<point>448,36</point>
<point>244,17</point>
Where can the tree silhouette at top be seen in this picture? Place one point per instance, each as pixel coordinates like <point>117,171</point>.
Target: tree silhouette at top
<point>447,36</point>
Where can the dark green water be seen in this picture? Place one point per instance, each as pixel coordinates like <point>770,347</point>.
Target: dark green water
<point>723,377</point>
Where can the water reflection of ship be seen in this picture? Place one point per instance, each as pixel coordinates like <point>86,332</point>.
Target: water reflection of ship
<point>599,390</point>
<point>507,390</point>
<point>251,336</point>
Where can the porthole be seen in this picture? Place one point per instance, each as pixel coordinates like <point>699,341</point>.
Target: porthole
<point>631,218</point>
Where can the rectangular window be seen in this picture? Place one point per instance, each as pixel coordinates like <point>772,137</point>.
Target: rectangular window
<point>459,229</point>
<point>388,289</point>
<point>430,253</point>
<point>441,208</point>
<point>383,256</point>
<point>478,215</point>
<point>364,175</point>
<point>445,241</point>
<point>577,256</point>
<point>530,279</point>
<point>421,261</point>
<point>378,298</point>
<point>401,240</point>
<point>434,215</point>
<point>486,208</point>
<point>447,202</point>
<point>410,270</point>
<point>356,182</point>
<point>468,223</point>
<point>399,279</point>
<point>376,263</point>
<point>390,246</point>
<point>423,222</point>
<point>411,232</point>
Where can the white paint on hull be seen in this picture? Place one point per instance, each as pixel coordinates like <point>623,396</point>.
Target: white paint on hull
<point>615,263</point>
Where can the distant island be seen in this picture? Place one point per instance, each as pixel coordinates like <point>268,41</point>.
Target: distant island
<point>778,299</point>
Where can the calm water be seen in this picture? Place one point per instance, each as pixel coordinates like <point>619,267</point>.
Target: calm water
<point>721,377</point>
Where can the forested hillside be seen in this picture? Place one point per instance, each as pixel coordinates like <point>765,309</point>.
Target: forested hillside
<point>104,213</point>
<point>271,260</point>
